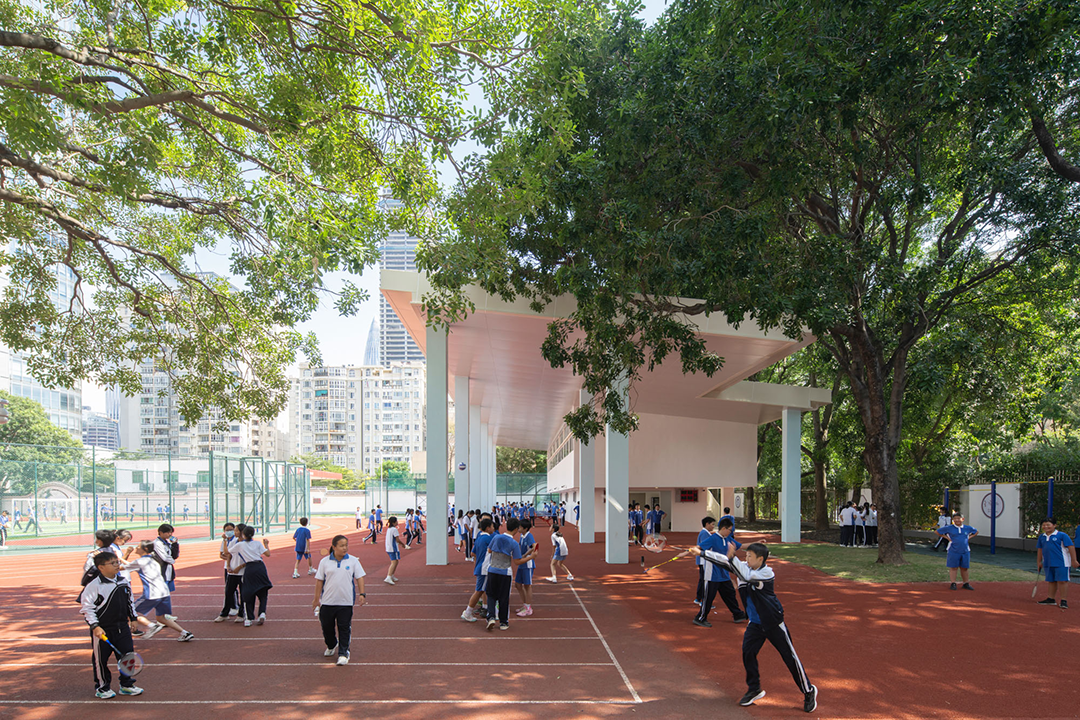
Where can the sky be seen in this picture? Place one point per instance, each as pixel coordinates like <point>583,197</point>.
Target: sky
<point>341,340</point>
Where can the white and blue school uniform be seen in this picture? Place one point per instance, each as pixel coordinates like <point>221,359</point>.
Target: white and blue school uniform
<point>302,536</point>
<point>480,567</point>
<point>958,550</point>
<point>1056,557</point>
<point>392,548</point>
<point>524,573</point>
<point>702,538</point>
<point>337,600</point>
<point>503,549</point>
<point>155,593</point>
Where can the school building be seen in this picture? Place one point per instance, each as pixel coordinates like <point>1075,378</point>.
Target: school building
<point>697,436</point>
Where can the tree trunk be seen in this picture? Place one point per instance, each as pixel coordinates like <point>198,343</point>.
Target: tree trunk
<point>856,492</point>
<point>821,508</point>
<point>751,506</point>
<point>885,485</point>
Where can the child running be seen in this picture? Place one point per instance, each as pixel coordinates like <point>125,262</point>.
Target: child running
<point>766,620</point>
<point>156,595</point>
<point>373,530</point>
<point>335,596</point>
<point>558,557</point>
<point>1056,553</point>
<point>246,555</point>
<point>393,541</point>
<point>480,571</point>
<point>108,609</point>
<point>302,536</point>
<point>524,577</point>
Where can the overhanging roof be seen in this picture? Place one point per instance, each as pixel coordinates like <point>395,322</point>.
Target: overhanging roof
<point>523,399</point>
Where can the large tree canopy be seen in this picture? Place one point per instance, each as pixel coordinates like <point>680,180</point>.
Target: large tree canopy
<point>857,169</point>
<point>136,134</point>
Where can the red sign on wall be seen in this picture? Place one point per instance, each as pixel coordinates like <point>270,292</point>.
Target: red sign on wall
<point>688,496</point>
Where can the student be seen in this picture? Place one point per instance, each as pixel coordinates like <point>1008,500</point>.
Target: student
<point>504,555</point>
<point>958,555</point>
<point>155,595</point>
<point>339,585</point>
<point>393,540</point>
<point>577,514</point>
<point>3,528</point>
<point>727,514</point>
<point>31,519</point>
<point>359,518</point>
<point>871,526</point>
<point>233,578</point>
<point>185,512</point>
<point>717,579</point>
<point>409,520</point>
<point>467,533</point>
<point>847,525</point>
<point>942,522</point>
<point>302,536</point>
<point>1055,552</point>
<point>166,550</point>
<point>524,576</point>
<point>418,526</point>
<point>458,538</point>
<point>373,532</point>
<point>18,519</point>
<point>246,555</point>
<point>766,620</point>
<point>474,529</point>
<point>708,527</point>
<point>378,518</point>
<point>480,571</point>
<point>658,520</point>
<point>558,556</point>
<point>108,609</point>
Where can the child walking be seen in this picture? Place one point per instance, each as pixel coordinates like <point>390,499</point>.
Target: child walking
<point>108,609</point>
<point>1056,553</point>
<point>524,576</point>
<point>505,554</point>
<point>302,536</point>
<point>335,596</point>
<point>247,555</point>
<point>480,571</point>
<point>766,620</point>
<point>558,557</point>
<point>393,545</point>
<point>233,578</point>
<point>156,595</point>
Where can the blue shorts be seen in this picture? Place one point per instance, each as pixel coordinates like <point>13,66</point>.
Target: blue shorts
<point>557,556</point>
<point>958,560</point>
<point>1056,574</point>
<point>300,555</point>
<point>161,606</point>
<point>481,583</point>
<point>524,575</point>
<point>395,555</point>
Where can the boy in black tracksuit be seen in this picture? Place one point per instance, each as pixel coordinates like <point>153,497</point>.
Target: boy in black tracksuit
<point>766,620</point>
<point>108,608</point>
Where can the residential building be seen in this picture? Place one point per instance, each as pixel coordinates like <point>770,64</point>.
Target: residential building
<point>394,420</point>
<point>267,441</point>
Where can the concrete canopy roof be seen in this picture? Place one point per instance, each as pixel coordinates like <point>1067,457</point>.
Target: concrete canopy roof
<point>523,399</point>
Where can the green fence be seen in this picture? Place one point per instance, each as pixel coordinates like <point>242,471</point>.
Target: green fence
<point>523,488</point>
<point>58,496</point>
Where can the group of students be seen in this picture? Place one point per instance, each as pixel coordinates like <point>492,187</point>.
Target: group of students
<point>858,525</point>
<point>718,567</point>
<point>502,558</point>
<point>643,522</point>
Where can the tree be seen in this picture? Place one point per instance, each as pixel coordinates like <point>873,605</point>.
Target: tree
<point>135,137</point>
<point>348,481</point>
<point>520,460</point>
<point>851,170</point>
<point>31,446</point>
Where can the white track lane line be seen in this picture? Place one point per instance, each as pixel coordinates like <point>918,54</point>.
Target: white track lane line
<point>328,664</point>
<point>614,661</point>
<point>128,701</point>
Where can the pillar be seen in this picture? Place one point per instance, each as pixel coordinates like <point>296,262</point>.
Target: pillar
<point>791,475</point>
<point>474,458</point>
<point>461,444</point>
<point>436,445</point>
<point>617,462</point>
<point>586,460</point>
<point>482,496</point>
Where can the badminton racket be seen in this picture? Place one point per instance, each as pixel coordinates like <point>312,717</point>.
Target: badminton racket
<point>1035,587</point>
<point>129,664</point>
<point>677,557</point>
<point>655,542</point>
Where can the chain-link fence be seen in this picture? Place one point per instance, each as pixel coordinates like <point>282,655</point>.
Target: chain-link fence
<point>58,496</point>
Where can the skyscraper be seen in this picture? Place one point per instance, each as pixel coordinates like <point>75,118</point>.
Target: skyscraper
<point>396,346</point>
<point>371,350</point>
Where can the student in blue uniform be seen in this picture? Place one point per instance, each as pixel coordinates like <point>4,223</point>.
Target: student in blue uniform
<point>708,527</point>
<point>302,536</point>
<point>480,570</point>
<point>523,578</point>
<point>505,556</point>
<point>378,518</point>
<point>727,514</point>
<point>717,579</point>
<point>766,620</point>
<point>958,556</point>
<point>339,585</point>
<point>1055,552</point>
<point>108,608</point>
<point>393,545</point>
<point>373,529</point>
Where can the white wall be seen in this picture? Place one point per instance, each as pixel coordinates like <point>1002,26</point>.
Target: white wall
<point>679,452</point>
<point>563,477</point>
<point>1008,522</point>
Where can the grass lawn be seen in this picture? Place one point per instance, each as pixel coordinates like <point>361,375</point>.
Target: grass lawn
<point>859,564</point>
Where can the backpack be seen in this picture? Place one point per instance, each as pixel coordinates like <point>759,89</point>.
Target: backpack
<point>174,549</point>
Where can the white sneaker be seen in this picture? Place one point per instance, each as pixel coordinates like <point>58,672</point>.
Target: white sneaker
<point>234,612</point>
<point>343,659</point>
<point>552,579</point>
<point>331,652</point>
<point>219,618</point>
<point>295,575</point>
<point>394,577</point>
<point>468,616</point>
<point>152,630</point>
<point>238,619</point>
<point>311,571</point>
<point>262,618</point>
<point>388,580</point>
<point>247,623</point>
<point>569,578</point>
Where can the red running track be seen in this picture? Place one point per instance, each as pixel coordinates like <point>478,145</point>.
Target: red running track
<point>616,644</point>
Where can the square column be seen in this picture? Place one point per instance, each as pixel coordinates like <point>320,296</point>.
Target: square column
<point>617,462</point>
<point>586,460</point>
<point>491,487</point>
<point>481,497</point>
<point>437,429</point>
<point>475,463</point>
<point>791,475</point>
<point>461,444</point>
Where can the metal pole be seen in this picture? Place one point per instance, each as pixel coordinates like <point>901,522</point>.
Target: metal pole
<point>78,495</point>
<point>993,517</point>
<point>210,490</point>
<point>37,506</point>
<point>93,481</point>
<point>1050,496</point>
<point>169,483</point>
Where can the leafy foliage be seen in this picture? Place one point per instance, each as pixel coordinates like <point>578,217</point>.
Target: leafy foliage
<point>519,460</point>
<point>348,481</point>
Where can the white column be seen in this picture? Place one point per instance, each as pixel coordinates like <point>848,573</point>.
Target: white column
<point>475,462</point>
<point>586,459</point>
<point>617,462</point>
<point>436,445</point>
<point>485,440</point>
<point>461,443</point>
<point>494,486</point>
<point>790,476</point>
